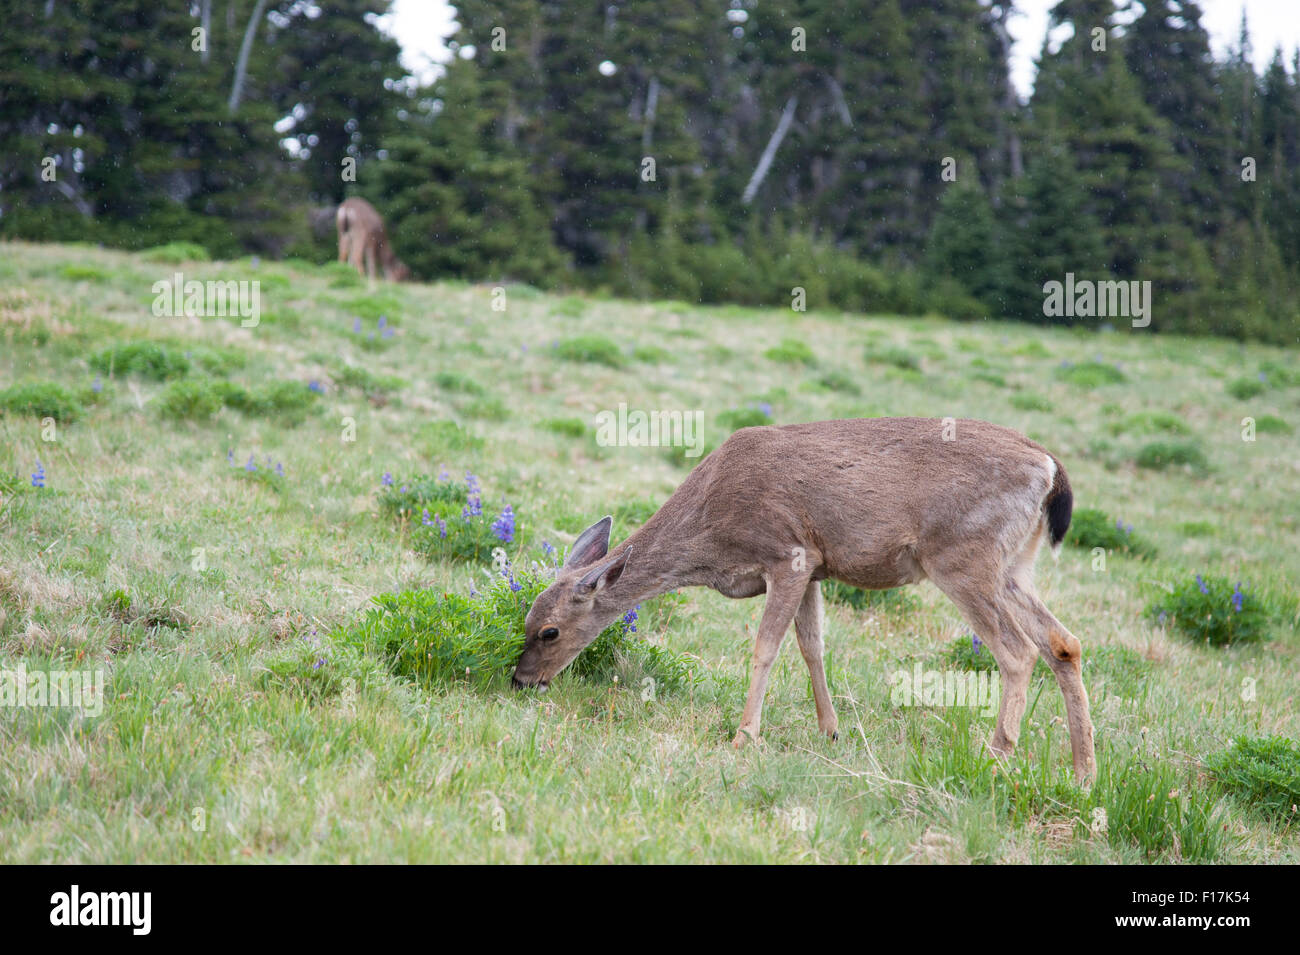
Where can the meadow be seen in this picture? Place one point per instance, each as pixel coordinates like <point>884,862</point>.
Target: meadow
<point>205,513</point>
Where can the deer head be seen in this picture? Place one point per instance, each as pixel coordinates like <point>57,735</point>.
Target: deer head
<point>571,613</point>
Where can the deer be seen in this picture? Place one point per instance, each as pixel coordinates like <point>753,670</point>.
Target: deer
<point>362,239</point>
<point>875,503</point>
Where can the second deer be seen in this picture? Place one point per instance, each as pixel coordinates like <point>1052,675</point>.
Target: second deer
<point>363,241</point>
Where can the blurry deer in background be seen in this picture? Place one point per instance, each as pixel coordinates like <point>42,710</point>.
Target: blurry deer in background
<point>874,502</point>
<point>362,239</point>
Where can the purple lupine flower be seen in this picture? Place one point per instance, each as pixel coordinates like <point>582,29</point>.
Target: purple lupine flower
<point>765,408</point>
<point>515,586</point>
<point>250,466</point>
<point>356,326</point>
<point>230,455</point>
<point>548,548</point>
<point>442,473</point>
<point>279,468</point>
<point>97,385</point>
<point>504,526</point>
<point>1263,377</point>
<point>1200,583</point>
<point>975,643</point>
<point>318,664</point>
<point>387,479</point>
<point>1128,529</point>
<point>1237,597</point>
<point>474,506</point>
<point>434,521</point>
<point>1162,618</point>
<point>388,332</point>
<point>629,620</point>
<point>316,387</point>
<point>38,476</point>
<point>383,322</point>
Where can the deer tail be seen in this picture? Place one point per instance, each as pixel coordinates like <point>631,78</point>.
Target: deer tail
<point>1058,505</point>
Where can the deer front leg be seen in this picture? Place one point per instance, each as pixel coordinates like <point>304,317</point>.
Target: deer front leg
<point>808,628</point>
<point>784,595</point>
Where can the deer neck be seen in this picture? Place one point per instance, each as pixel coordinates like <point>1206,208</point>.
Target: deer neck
<point>656,566</point>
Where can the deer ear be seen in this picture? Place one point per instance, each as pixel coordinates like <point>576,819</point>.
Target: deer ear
<point>601,577</point>
<point>591,545</point>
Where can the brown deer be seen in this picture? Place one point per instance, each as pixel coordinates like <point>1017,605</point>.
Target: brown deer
<point>873,502</point>
<point>362,239</point>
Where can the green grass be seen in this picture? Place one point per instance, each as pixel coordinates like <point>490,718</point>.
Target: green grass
<point>222,604</point>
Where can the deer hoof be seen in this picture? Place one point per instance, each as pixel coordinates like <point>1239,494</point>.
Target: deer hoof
<point>835,736</point>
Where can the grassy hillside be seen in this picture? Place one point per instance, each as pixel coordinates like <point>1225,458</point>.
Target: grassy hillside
<point>238,726</point>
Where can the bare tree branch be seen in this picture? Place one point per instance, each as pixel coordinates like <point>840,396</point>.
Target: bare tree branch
<point>769,153</point>
<point>245,48</point>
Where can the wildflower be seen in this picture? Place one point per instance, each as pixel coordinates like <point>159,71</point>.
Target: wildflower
<point>548,548</point>
<point>1128,529</point>
<point>1237,597</point>
<point>442,473</point>
<point>515,587</point>
<point>318,664</point>
<point>1200,583</point>
<point>504,526</point>
<point>975,643</point>
<point>38,476</point>
<point>98,385</point>
<point>316,387</point>
<point>474,506</point>
<point>356,326</point>
<point>1263,377</point>
<point>629,620</point>
<point>765,408</point>
<point>388,332</point>
<point>279,468</point>
<point>383,322</point>
<point>230,455</point>
<point>1162,618</point>
<point>434,521</point>
<point>387,479</point>
<point>250,466</point>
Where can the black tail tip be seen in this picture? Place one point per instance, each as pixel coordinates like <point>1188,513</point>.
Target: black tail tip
<point>1060,505</point>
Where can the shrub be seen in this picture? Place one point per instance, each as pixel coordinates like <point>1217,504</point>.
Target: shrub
<point>791,351</point>
<point>174,253</point>
<point>190,399</point>
<point>1091,528</point>
<point>448,520</point>
<point>146,359</point>
<point>841,382</point>
<point>594,349</point>
<point>1151,422</point>
<point>1027,401</point>
<point>895,357</point>
<point>650,354</point>
<point>440,638</point>
<point>85,273</point>
<point>1263,773</point>
<point>42,400</point>
<point>354,376</point>
<point>451,381</point>
<point>1271,424</point>
<point>569,427</point>
<point>1215,611</point>
<point>893,600</point>
<point>1090,374</point>
<point>1159,455</point>
<point>1245,388</point>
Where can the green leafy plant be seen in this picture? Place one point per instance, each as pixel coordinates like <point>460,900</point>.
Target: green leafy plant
<point>146,359</point>
<point>1090,374</point>
<point>594,349</point>
<point>174,253</point>
<point>1091,528</point>
<point>42,400</point>
<point>1216,611</point>
<point>1262,773</point>
<point>791,351</point>
<point>893,600</point>
<point>1161,455</point>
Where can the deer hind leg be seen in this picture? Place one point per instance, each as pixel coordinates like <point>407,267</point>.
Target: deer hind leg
<point>808,622</point>
<point>1063,654</point>
<point>986,609</point>
<point>784,594</point>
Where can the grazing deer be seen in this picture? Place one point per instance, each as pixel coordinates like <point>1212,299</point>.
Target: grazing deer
<point>362,239</point>
<point>874,502</point>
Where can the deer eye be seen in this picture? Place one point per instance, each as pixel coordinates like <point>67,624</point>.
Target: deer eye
<point>550,633</point>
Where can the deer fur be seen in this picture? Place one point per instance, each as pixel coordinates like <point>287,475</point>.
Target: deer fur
<point>363,241</point>
<point>873,502</point>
